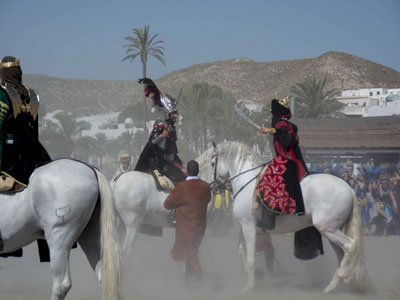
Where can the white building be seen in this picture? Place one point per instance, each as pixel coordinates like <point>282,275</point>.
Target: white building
<point>107,124</point>
<point>371,102</point>
<point>104,123</point>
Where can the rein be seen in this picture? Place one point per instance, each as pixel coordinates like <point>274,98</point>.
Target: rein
<point>237,175</point>
<point>243,186</point>
<point>223,184</point>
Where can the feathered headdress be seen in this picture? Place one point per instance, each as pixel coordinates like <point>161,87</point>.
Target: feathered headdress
<point>163,102</point>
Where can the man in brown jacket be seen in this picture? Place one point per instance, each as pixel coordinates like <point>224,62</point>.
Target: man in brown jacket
<point>190,198</point>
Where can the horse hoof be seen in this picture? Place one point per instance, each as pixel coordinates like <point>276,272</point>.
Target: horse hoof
<point>328,289</point>
<point>347,280</point>
<point>247,289</point>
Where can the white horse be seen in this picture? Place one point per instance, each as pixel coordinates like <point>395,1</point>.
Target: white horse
<point>138,202</point>
<point>330,205</point>
<point>65,201</point>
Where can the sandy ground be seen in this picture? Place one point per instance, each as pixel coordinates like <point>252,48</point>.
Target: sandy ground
<point>150,273</point>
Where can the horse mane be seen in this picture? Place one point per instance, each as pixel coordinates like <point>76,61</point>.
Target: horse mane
<point>229,150</point>
<point>233,150</point>
<point>204,161</point>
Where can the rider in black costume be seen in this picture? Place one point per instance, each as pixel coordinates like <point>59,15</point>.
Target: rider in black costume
<point>20,149</point>
<point>161,152</point>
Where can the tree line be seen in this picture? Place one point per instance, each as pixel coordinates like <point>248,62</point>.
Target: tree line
<point>206,113</point>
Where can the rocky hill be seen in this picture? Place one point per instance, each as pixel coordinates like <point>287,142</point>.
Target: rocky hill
<point>244,78</point>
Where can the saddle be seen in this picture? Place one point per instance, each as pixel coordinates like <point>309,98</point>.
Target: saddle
<point>163,183</point>
<point>9,184</point>
<point>257,197</point>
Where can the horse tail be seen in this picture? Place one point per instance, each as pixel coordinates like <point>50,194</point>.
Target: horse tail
<point>357,273</point>
<point>110,259</point>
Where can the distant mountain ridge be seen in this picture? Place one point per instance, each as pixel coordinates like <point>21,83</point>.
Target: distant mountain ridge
<point>244,78</point>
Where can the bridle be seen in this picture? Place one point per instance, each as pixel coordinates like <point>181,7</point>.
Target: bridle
<point>215,164</point>
<point>219,186</point>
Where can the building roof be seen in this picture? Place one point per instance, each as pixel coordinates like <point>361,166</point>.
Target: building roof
<point>350,133</point>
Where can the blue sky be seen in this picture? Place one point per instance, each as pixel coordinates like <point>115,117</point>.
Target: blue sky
<point>84,39</point>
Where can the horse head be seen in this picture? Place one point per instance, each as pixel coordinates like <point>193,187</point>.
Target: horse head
<point>220,170</point>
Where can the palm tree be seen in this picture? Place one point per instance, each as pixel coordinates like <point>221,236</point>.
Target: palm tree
<point>100,145</point>
<point>313,101</point>
<point>125,142</point>
<point>85,146</point>
<point>226,123</point>
<point>263,117</point>
<point>196,102</point>
<point>143,44</point>
<point>62,137</point>
<point>139,140</point>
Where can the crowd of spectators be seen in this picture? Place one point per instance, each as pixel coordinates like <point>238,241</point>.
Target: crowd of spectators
<point>377,187</point>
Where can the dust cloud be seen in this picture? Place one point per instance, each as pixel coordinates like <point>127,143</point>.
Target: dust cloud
<point>150,272</point>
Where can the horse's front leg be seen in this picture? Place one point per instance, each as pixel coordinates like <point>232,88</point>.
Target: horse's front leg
<point>249,233</point>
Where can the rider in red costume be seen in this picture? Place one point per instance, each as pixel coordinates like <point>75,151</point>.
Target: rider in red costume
<point>280,184</point>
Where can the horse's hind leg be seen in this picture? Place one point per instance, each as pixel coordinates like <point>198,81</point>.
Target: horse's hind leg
<point>59,263</point>
<point>338,251</point>
<point>89,241</point>
<point>132,225</point>
<point>346,245</point>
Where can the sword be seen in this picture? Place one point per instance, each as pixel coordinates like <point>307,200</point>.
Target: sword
<point>178,97</point>
<point>246,118</point>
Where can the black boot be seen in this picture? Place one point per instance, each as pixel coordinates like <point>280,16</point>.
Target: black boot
<point>267,221</point>
<point>269,260</point>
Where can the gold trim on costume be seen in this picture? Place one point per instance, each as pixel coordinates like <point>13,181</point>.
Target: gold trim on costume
<point>15,99</point>
<point>33,106</point>
<point>4,106</point>
<point>273,130</point>
<point>17,181</point>
<point>3,113</point>
<point>9,64</point>
<point>18,105</point>
<point>284,102</point>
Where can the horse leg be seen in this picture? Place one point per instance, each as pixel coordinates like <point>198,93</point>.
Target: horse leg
<point>89,241</point>
<point>241,249</point>
<point>338,251</point>
<point>60,239</point>
<point>132,226</point>
<point>269,253</point>
<point>346,245</point>
<point>249,233</point>
<point>59,256</point>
